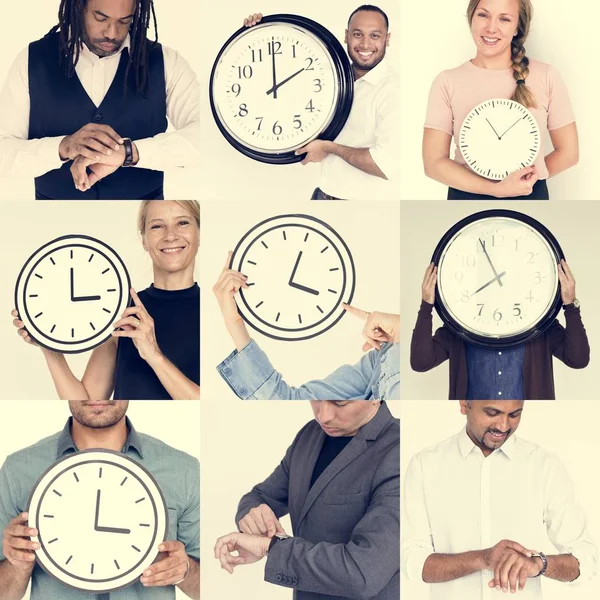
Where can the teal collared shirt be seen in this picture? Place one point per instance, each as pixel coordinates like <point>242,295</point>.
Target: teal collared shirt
<point>177,473</point>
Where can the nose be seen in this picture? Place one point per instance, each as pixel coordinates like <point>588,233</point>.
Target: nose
<point>170,232</point>
<point>326,412</point>
<point>492,26</point>
<point>111,31</point>
<point>501,423</point>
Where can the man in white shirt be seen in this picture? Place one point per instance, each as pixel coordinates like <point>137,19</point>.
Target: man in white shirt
<point>480,506</point>
<point>93,96</point>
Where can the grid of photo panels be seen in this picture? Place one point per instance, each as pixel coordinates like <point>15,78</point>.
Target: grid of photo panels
<point>211,210</point>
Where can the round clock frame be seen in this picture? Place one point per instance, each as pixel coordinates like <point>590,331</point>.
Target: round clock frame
<point>102,457</point>
<point>343,73</point>
<point>488,341</point>
<point>26,271</point>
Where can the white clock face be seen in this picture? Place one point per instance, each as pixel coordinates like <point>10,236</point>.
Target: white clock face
<point>100,517</point>
<point>498,277</point>
<point>70,292</point>
<point>499,137</point>
<point>299,272</point>
<point>275,87</point>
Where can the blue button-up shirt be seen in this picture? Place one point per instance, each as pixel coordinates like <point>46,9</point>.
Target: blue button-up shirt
<point>250,374</point>
<point>177,473</point>
<point>495,374</point>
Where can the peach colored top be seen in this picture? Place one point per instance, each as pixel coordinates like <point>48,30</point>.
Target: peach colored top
<point>454,93</point>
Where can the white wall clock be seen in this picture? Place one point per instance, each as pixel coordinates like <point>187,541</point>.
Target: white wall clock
<point>498,137</point>
<point>299,272</point>
<point>70,292</point>
<point>278,85</point>
<point>100,517</point>
<point>497,280</point>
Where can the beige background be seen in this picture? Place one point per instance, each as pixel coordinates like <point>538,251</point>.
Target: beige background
<point>436,36</point>
<point>566,428</point>
<point>227,173</point>
<point>179,23</point>
<point>115,223</point>
<point>175,423</point>
<point>575,227</point>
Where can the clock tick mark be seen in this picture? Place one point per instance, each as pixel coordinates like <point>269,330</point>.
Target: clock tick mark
<point>326,248</point>
<point>306,237</point>
<point>112,290</point>
<point>33,295</point>
<point>71,251</point>
<point>69,559</point>
<point>52,541</point>
<point>263,243</point>
<point>106,310</point>
<point>277,317</point>
<point>90,258</point>
<point>284,236</point>
<point>140,500</point>
<point>53,328</point>
<point>117,564</point>
<point>52,261</point>
<point>48,516</point>
<point>39,276</point>
<point>92,326</point>
<point>72,332</point>
<point>300,318</point>
<point>57,493</point>
<point>124,480</point>
<point>100,473</point>
<point>320,309</point>
<point>38,315</point>
<point>335,269</point>
<point>135,548</point>
<point>332,291</point>
<point>144,524</point>
<point>252,262</point>
<point>92,569</point>
<point>260,304</point>
<point>105,271</point>
<point>76,478</point>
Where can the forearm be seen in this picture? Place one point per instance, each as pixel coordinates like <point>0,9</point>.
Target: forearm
<point>450,173</point>
<point>560,160</point>
<point>13,581</point>
<point>425,352</point>
<point>174,381</point>
<point>573,347</point>
<point>360,158</point>
<point>562,567</point>
<point>68,387</point>
<point>165,151</point>
<point>439,568</point>
<point>239,334</point>
<point>190,586</point>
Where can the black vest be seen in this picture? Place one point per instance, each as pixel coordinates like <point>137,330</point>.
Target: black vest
<point>60,106</point>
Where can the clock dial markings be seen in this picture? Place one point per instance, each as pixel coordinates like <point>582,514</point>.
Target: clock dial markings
<point>284,236</point>
<point>72,332</point>
<point>263,243</point>
<point>319,309</point>
<point>92,569</point>
<point>110,290</point>
<point>140,500</point>
<point>252,262</point>
<point>92,326</point>
<point>57,493</point>
<point>306,236</point>
<point>91,257</point>
<point>326,248</point>
<point>300,318</point>
<point>48,516</point>
<point>38,315</point>
<point>259,304</point>
<point>122,482</point>
<point>335,269</point>
<point>69,560</point>
<point>39,276</point>
<point>277,317</point>
<point>52,261</point>
<point>135,548</point>
<point>117,564</point>
<point>76,478</point>
<point>332,291</point>
<point>105,271</point>
<point>53,540</point>
<point>106,310</point>
<point>33,295</point>
<point>100,473</point>
<point>144,524</point>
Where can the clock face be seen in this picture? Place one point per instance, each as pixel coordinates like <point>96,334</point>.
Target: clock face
<point>100,517</point>
<point>278,85</point>
<point>70,292</point>
<point>299,272</point>
<point>499,137</point>
<point>498,278</point>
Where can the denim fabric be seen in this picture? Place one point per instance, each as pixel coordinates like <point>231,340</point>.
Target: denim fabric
<point>495,374</point>
<point>251,376</point>
<point>177,473</point>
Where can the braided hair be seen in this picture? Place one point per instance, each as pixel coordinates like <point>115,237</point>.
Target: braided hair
<point>70,28</point>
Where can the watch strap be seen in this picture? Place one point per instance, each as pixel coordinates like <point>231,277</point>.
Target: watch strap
<point>276,538</point>
<point>128,147</point>
<point>574,304</point>
<point>544,560</point>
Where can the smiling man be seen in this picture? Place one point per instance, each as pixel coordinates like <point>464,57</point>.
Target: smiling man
<point>479,507</point>
<point>93,97</point>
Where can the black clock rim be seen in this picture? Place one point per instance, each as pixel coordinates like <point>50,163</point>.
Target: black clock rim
<point>509,341</point>
<point>58,239</point>
<point>353,269</point>
<point>343,71</point>
<point>104,451</point>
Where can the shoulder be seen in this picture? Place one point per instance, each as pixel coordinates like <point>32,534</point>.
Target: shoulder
<point>531,451</point>
<point>435,453</point>
<point>448,77</point>
<point>155,448</point>
<point>174,61</point>
<point>42,451</point>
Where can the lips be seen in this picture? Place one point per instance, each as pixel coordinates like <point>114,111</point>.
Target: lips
<point>365,53</point>
<point>497,436</point>
<point>490,41</point>
<point>173,250</point>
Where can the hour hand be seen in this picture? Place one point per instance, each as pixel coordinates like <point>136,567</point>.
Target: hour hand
<point>75,298</point>
<point>304,288</point>
<point>105,529</point>
<point>499,137</point>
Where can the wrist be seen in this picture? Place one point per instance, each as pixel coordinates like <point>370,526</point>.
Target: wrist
<point>481,560</point>
<point>157,359</point>
<point>136,154</point>
<point>62,148</point>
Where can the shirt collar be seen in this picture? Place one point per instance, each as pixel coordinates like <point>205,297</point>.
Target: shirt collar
<point>466,445</point>
<point>375,75</point>
<point>66,443</point>
<point>85,51</point>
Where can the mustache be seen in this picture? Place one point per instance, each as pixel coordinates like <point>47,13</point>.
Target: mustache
<point>105,41</point>
<point>498,432</point>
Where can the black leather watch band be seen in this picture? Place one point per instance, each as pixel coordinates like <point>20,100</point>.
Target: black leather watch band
<point>275,539</point>
<point>128,146</point>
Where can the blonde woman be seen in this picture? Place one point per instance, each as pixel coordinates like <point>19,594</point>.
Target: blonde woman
<point>500,69</point>
<point>154,352</point>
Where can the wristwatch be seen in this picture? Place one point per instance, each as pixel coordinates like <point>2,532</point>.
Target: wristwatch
<point>128,147</point>
<point>544,560</point>
<point>276,538</point>
<point>575,304</point>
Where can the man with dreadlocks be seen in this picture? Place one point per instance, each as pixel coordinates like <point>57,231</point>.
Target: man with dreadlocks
<point>92,97</point>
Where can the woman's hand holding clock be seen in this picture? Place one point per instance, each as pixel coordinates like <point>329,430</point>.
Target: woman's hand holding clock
<point>428,285</point>
<point>567,283</point>
<point>518,183</point>
<point>379,327</point>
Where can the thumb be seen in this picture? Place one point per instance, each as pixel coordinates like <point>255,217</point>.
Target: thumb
<point>271,528</point>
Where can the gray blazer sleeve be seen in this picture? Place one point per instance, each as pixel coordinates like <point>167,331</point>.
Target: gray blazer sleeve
<point>359,569</point>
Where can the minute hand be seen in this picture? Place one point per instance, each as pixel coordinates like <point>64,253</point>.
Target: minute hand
<point>497,277</point>
<point>276,87</point>
<point>509,128</point>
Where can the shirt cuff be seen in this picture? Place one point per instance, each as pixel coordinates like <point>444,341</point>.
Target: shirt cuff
<point>147,154</point>
<point>415,561</point>
<point>386,163</point>
<point>588,564</point>
<point>389,378</point>
<point>246,371</point>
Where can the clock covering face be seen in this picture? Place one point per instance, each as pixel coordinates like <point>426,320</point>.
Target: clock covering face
<point>499,137</point>
<point>100,517</point>
<point>299,272</point>
<point>277,86</point>
<point>70,292</point>
<point>497,278</point>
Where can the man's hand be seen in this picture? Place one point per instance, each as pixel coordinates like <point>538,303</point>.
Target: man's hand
<point>171,568</point>
<point>495,559</point>
<point>250,549</point>
<point>92,141</point>
<point>428,285</point>
<point>567,282</point>
<point>315,151</point>
<point>16,543</point>
<point>379,327</point>
<point>512,570</point>
<point>261,520</point>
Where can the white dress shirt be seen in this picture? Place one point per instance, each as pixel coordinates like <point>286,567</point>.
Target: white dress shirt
<point>373,124</point>
<point>21,157</point>
<point>456,500</point>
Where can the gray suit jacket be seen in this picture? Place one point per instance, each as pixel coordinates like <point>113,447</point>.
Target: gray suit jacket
<point>347,526</point>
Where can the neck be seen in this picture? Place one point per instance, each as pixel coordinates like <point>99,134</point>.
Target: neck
<point>179,280</point>
<point>502,61</point>
<point>358,73</point>
<point>109,438</point>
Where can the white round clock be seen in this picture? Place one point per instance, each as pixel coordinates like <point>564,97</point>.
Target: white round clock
<point>278,85</point>
<point>498,278</point>
<point>299,272</point>
<point>499,137</point>
<point>70,292</point>
<point>100,517</point>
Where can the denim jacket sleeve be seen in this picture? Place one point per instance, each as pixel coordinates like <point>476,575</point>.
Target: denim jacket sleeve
<point>251,376</point>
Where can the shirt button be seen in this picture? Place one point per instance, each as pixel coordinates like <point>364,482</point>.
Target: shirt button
<point>499,353</point>
<point>278,578</point>
<point>499,372</point>
<point>243,392</point>
<point>499,393</point>
<point>227,371</point>
<point>98,117</point>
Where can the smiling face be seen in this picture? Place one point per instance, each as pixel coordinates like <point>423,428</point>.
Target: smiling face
<point>366,39</point>
<point>494,23</point>
<point>490,423</point>
<point>343,417</point>
<point>106,24</point>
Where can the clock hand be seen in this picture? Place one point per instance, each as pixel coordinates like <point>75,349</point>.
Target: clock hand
<point>304,288</point>
<point>492,128</point>
<point>509,128</point>
<point>72,283</point>
<point>274,89</point>
<point>113,530</point>
<point>295,267</point>
<point>497,278</point>
<point>105,529</point>
<point>490,261</point>
<point>97,498</point>
<point>85,298</point>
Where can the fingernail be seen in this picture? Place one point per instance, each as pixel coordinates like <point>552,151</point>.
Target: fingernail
<point>148,572</point>
<point>35,546</point>
<point>161,547</point>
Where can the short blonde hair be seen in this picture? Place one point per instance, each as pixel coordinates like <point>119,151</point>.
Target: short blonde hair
<point>191,206</point>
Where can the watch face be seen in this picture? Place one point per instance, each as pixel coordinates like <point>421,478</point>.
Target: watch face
<point>70,292</point>
<point>299,272</point>
<point>278,85</point>
<point>499,137</point>
<point>498,278</point>
<point>100,517</point>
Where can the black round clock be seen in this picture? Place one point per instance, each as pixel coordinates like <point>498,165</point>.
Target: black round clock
<point>497,282</point>
<point>279,85</point>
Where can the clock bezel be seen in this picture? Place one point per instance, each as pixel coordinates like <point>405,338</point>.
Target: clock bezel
<point>511,340</point>
<point>343,73</point>
<point>75,458</point>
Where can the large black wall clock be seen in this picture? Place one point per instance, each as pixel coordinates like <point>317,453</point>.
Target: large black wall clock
<point>497,282</point>
<point>100,517</point>
<point>278,85</point>
<point>70,292</point>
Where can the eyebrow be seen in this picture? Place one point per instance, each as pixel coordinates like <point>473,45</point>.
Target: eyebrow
<point>501,14</point>
<point>374,31</point>
<point>98,12</point>
<point>161,219</point>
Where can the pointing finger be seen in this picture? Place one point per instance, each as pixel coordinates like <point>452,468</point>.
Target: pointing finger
<point>357,312</point>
